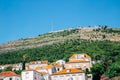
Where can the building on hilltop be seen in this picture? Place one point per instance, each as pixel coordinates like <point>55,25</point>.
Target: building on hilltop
<point>81,61</point>
<point>9,75</point>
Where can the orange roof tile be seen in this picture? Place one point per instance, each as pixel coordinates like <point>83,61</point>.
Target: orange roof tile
<point>38,68</point>
<point>69,71</point>
<point>44,62</point>
<point>33,62</point>
<point>8,73</point>
<point>86,55</point>
<point>77,61</point>
<point>74,55</point>
<point>43,73</point>
<point>51,65</point>
<point>7,64</point>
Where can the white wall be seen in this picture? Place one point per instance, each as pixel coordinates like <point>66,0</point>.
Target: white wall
<point>31,75</point>
<point>75,76</point>
<point>13,78</point>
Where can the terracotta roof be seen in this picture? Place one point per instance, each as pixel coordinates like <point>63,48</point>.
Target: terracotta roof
<point>8,73</point>
<point>69,71</point>
<point>73,56</point>
<point>42,62</point>
<point>51,65</point>
<point>43,73</point>
<point>33,62</point>
<point>38,68</point>
<point>85,55</point>
<point>77,61</point>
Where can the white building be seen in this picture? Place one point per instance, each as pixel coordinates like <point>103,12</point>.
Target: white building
<point>33,75</point>
<point>4,66</point>
<point>34,64</point>
<point>17,66</point>
<point>82,61</point>
<point>9,75</point>
<point>69,74</point>
<point>50,69</point>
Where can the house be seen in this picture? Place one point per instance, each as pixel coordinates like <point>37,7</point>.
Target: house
<point>69,74</point>
<point>82,61</point>
<point>4,66</point>
<point>50,69</point>
<point>17,66</point>
<point>53,67</point>
<point>33,64</point>
<point>9,75</point>
<point>34,75</point>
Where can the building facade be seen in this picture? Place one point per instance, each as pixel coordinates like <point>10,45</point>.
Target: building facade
<point>81,61</point>
<point>31,75</point>
<point>34,75</point>
<point>33,64</point>
<point>69,74</point>
<point>9,75</point>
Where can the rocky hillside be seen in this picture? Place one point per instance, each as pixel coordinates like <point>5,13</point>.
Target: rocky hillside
<point>90,33</point>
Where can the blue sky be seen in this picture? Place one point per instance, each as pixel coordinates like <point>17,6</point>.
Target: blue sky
<point>27,18</point>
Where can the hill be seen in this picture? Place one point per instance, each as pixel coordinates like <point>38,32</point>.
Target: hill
<point>90,33</point>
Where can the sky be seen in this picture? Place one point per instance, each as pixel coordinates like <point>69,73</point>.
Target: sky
<point>28,18</point>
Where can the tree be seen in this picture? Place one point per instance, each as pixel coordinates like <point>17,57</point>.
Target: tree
<point>87,71</point>
<point>1,70</point>
<point>18,71</point>
<point>113,70</point>
<point>9,68</point>
<point>97,70</point>
<point>25,56</point>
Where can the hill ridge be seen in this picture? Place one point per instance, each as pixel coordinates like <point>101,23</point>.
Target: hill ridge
<point>88,33</point>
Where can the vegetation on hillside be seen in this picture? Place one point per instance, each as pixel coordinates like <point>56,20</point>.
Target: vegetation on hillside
<point>89,33</point>
<point>107,52</point>
<point>69,42</point>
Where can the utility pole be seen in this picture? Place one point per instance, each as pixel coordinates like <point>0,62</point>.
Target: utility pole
<point>51,26</point>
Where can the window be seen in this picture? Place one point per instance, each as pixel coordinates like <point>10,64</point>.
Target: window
<point>61,76</point>
<point>27,73</point>
<point>10,78</point>
<point>58,69</point>
<point>73,75</point>
<point>67,75</point>
<point>70,78</point>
